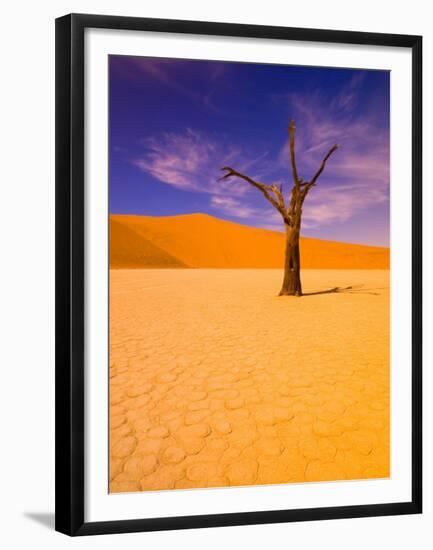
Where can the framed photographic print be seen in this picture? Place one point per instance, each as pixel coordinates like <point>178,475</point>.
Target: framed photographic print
<point>238,274</point>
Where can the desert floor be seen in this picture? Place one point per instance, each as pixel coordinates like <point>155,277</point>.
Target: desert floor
<point>216,381</point>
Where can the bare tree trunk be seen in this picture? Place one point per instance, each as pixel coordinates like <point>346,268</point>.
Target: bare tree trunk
<point>292,265</point>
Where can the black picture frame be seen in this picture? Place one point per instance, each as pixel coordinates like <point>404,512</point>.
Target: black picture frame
<point>70,283</point>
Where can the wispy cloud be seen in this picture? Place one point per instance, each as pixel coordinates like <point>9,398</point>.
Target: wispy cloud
<point>348,98</point>
<point>179,160</point>
<point>357,175</point>
<point>192,161</point>
<point>233,207</point>
<point>171,73</point>
<point>264,217</point>
<point>339,203</point>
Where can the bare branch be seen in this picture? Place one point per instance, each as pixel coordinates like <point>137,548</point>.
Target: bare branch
<point>231,172</point>
<point>277,202</point>
<point>304,193</point>
<point>278,192</point>
<point>292,152</point>
<point>274,193</point>
<point>322,166</point>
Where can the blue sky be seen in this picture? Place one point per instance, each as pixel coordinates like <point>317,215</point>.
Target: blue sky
<point>175,123</point>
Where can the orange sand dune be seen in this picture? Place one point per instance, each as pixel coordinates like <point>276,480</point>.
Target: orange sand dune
<point>129,249</point>
<point>202,241</point>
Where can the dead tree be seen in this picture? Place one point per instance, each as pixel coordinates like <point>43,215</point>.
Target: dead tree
<point>291,214</point>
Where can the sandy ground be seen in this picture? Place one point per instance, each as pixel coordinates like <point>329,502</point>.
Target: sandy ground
<point>216,381</point>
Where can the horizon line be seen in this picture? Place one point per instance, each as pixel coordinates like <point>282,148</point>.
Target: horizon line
<point>244,225</point>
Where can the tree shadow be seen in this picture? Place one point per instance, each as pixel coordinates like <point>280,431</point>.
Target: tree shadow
<point>43,518</point>
<point>354,289</point>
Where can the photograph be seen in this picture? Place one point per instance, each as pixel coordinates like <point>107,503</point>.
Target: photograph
<point>249,274</point>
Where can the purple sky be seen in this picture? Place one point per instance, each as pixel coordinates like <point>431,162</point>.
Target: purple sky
<point>175,123</point>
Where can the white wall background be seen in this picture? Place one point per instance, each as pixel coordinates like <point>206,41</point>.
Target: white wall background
<point>27,272</point>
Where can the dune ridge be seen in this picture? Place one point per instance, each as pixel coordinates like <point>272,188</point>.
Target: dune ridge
<point>203,241</point>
